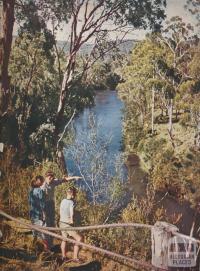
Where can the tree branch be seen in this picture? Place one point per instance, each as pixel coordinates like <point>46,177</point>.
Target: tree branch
<point>63,133</point>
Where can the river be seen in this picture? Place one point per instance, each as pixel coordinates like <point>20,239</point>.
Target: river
<point>108,114</point>
<point>98,132</point>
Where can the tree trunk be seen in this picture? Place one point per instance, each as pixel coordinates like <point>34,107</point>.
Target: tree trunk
<point>152,110</point>
<point>59,119</point>
<point>58,125</point>
<point>7,22</point>
<point>170,114</point>
<point>65,88</point>
<point>177,112</point>
<point>61,162</point>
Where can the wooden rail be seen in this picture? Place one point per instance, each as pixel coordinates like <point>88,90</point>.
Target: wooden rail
<point>133,262</point>
<point>98,227</point>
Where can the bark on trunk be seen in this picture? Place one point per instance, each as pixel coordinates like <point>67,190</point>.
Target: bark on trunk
<point>62,100</point>
<point>59,120</point>
<point>152,110</point>
<point>61,162</point>
<point>170,114</point>
<point>177,112</point>
<point>7,22</point>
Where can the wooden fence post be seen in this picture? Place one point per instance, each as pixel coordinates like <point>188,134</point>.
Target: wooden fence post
<point>1,147</point>
<point>160,235</point>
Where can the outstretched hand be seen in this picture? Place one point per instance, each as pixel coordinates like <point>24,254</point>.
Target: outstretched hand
<point>70,178</point>
<point>77,178</point>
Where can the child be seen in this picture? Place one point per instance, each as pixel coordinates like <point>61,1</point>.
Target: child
<point>67,220</point>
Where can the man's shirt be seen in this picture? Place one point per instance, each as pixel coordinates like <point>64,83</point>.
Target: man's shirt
<point>49,189</point>
<point>36,203</point>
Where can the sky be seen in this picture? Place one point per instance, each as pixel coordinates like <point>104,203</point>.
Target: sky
<point>174,8</point>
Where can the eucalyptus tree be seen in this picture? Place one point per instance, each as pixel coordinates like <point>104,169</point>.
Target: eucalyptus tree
<point>141,87</point>
<point>192,99</point>
<point>178,37</point>
<point>33,82</point>
<point>6,29</point>
<point>158,76</point>
<point>31,16</point>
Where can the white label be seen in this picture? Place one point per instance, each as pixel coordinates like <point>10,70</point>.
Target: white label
<point>181,252</point>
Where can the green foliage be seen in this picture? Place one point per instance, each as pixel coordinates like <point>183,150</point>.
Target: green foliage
<point>149,147</point>
<point>34,96</point>
<point>34,15</point>
<point>15,183</point>
<point>178,176</point>
<point>194,64</point>
<point>80,96</point>
<point>139,79</point>
<point>102,76</point>
<point>165,174</point>
<point>144,14</point>
<point>185,119</point>
<point>179,39</point>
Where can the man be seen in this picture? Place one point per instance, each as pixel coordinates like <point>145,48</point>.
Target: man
<point>37,207</point>
<point>49,187</point>
<point>67,220</point>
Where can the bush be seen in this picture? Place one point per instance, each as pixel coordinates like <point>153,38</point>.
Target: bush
<point>15,182</point>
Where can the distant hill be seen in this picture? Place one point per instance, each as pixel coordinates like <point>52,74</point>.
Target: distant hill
<point>125,47</point>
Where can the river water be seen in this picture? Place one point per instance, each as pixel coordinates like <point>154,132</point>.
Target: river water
<point>98,127</point>
<point>108,114</point>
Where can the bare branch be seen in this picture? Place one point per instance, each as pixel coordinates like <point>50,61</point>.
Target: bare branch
<point>57,55</point>
<point>63,133</point>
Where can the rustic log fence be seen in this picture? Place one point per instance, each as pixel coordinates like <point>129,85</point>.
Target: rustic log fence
<point>161,233</point>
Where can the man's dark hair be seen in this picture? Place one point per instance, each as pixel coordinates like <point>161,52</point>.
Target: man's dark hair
<point>49,173</point>
<point>34,181</point>
<point>40,177</point>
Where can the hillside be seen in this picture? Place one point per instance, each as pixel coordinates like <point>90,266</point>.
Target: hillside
<point>125,47</point>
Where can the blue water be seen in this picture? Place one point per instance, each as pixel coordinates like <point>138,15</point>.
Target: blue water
<point>107,113</point>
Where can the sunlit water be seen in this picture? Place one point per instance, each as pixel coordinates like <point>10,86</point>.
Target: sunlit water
<point>107,114</point>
